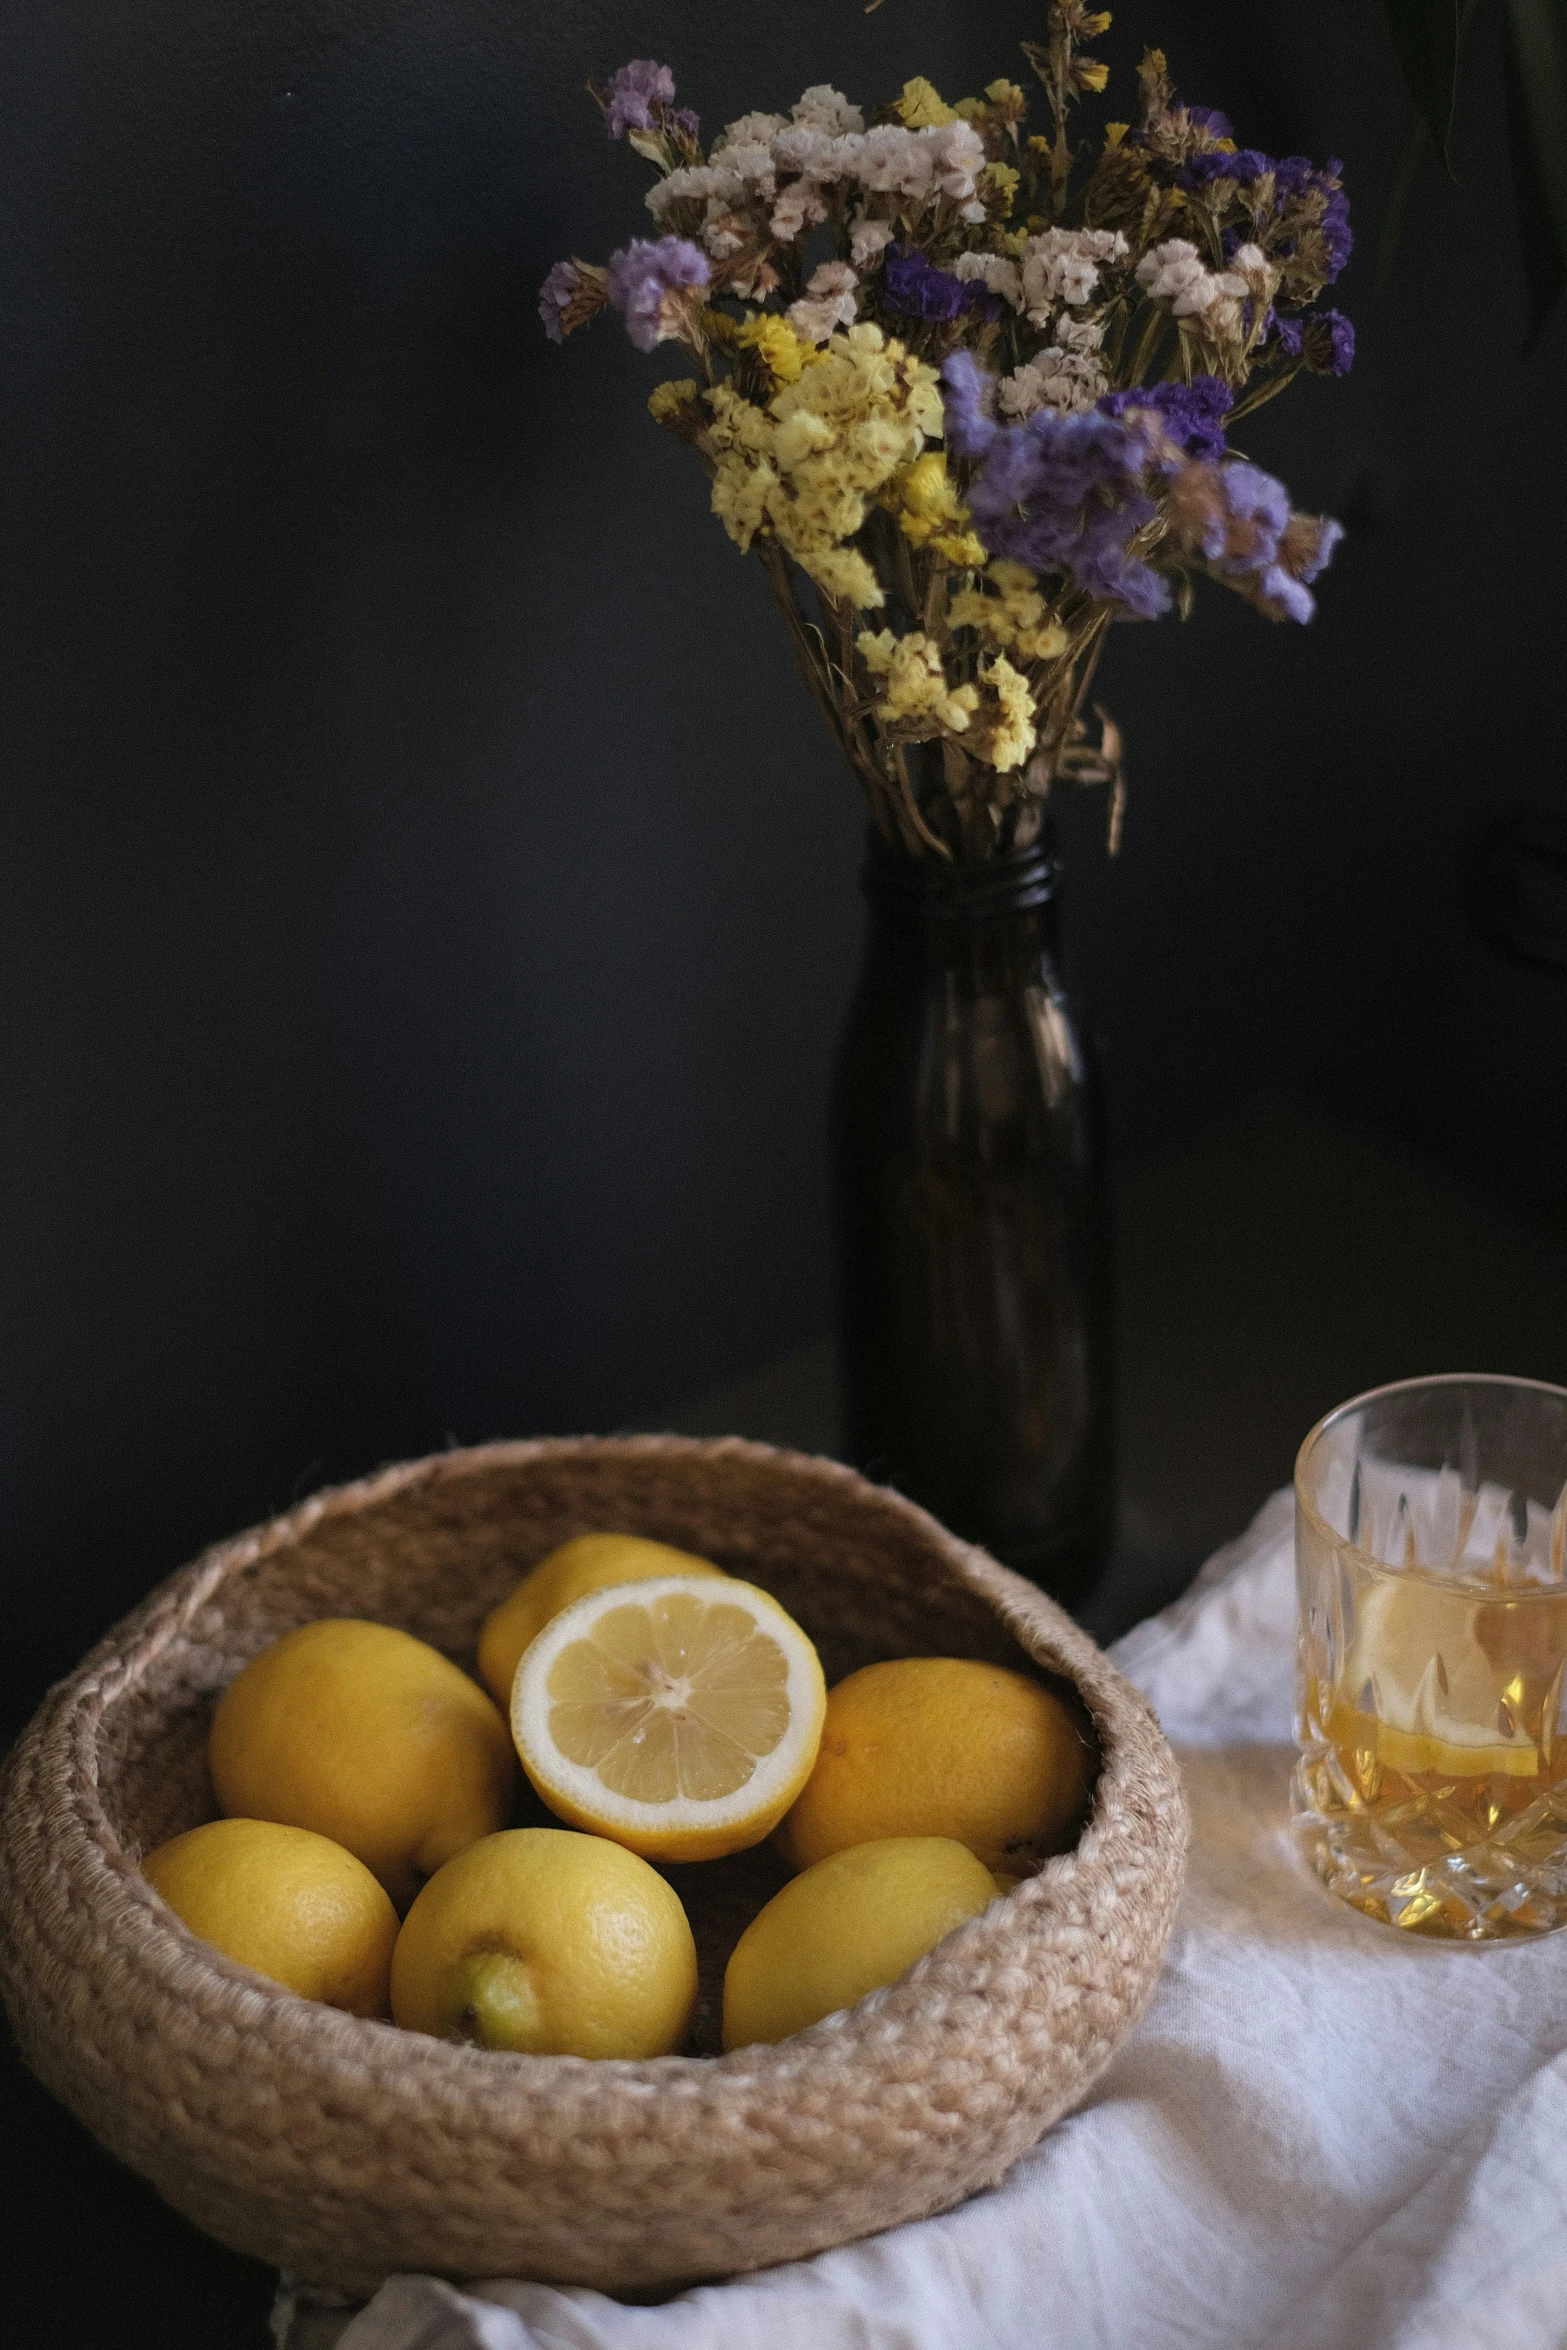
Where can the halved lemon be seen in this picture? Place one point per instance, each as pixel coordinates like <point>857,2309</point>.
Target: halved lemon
<point>677,1717</point>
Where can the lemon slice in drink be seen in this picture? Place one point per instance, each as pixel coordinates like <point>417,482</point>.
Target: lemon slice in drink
<point>1435,1700</point>
<point>680,1716</point>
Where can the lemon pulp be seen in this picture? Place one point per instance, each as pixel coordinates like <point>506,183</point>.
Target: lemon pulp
<point>680,1719</point>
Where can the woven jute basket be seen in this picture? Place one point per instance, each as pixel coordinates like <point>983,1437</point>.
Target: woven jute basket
<point>344,2150</point>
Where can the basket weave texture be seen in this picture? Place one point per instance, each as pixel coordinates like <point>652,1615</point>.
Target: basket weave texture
<point>345,2150</point>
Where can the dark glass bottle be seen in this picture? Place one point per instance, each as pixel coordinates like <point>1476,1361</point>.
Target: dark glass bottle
<point>972,1227</point>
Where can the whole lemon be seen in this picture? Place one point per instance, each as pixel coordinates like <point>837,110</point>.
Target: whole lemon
<point>587,1563</point>
<point>550,1943</point>
<point>370,1737</point>
<point>942,1746</point>
<point>291,1904</point>
<point>847,1926</point>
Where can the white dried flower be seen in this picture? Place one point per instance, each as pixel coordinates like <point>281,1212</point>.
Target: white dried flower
<point>694,180</point>
<point>1063,265</point>
<point>798,208</point>
<point>751,130</point>
<point>753,164</point>
<point>957,159</point>
<point>868,237</point>
<point>724,232</point>
<point>828,302</point>
<point>994,271</point>
<point>822,108</point>
<point>1174,272</point>
<point>894,161</point>
<point>1070,381</point>
<point>1079,334</point>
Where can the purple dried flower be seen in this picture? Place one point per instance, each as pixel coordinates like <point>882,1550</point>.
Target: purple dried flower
<point>1245,165</point>
<point>1336,234</point>
<point>1192,415</point>
<point>1286,334</point>
<point>686,120</point>
<point>1329,343</point>
<point>643,279</point>
<point>914,287</point>
<point>1294,177</point>
<point>1211,119</point>
<point>966,392</point>
<point>1236,519</point>
<point>632,93</point>
<point>1060,493</point>
<point>559,290</point>
<point>1308,543</point>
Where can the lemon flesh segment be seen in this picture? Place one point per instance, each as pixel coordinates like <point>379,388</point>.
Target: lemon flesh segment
<point>680,1716</point>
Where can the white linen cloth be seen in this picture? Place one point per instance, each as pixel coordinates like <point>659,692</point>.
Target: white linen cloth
<point>1320,2137</point>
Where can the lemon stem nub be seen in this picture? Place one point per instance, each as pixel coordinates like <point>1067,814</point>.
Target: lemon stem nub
<point>494,2004</point>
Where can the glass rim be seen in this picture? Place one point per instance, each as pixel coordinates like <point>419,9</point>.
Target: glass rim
<point>1355,1403</point>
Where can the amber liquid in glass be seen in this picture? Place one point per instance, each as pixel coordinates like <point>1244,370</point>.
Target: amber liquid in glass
<point>1432,1787</point>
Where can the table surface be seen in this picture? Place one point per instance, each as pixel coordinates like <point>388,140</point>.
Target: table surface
<point>1279,1266</point>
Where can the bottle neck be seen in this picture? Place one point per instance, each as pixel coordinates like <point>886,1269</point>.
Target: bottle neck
<point>967,893</point>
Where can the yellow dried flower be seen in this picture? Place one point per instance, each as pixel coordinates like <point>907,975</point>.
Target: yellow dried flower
<point>782,352</point>
<point>921,106</point>
<point>665,400</point>
<point>844,574</point>
<point>961,548</point>
<point>931,513</point>
<point>1014,616</point>
<point>928,496</point>
<point>916,697</point>
<point>1003,733</point>
<point>1089,73</point>
<point>999,181</point>
<point>1115,132</point>
<point>806,466</point>
<point>1007,94</point>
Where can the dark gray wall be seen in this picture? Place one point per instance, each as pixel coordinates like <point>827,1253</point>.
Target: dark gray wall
<point>429,900</point>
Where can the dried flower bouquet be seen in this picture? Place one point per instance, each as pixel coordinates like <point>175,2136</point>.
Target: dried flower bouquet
<point>967,392</point>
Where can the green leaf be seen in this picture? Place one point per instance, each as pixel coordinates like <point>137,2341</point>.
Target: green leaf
<point>1425,35</point>
<point>1539,53</point>
<point>1542,242</point>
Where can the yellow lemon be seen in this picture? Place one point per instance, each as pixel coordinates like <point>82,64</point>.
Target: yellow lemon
<point>845,1927</point>
<point>549,1943</point>
<point>677,1718</point>
<point>370,1737</point>
<point>590,1562</point>
<point>291,1904</point>
<point>941,1746</point>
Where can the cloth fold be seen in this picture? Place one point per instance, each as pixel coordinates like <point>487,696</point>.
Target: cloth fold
<point>1320,2137</point>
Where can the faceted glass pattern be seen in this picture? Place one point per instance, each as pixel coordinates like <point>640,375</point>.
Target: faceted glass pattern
<point>1430,1544</point>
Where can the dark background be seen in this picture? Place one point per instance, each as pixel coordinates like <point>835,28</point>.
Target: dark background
<point>428,899</point>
